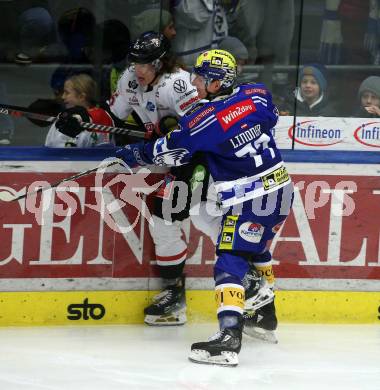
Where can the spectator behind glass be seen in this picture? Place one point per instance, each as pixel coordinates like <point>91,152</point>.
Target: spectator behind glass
<point>52,107</point>
<point>79,96</point>
<point>36,32</point>
<point>116,41</point>
<point>237,48</point>
<point>266,28</point>
<point>27,31</point>
<point>154,20</point>
<point>349,32</point>
<point>369,98</point>
<point>311,95</point>
<point>200,26</point>
<point>76,29</point>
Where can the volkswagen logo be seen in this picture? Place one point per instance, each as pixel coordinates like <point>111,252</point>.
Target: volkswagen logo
<point>180,86</point>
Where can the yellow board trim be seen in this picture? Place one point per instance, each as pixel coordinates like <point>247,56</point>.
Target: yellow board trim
<point>126,307</point>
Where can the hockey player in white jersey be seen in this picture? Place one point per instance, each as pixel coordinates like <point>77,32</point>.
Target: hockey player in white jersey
<point>153,85</point>
<point>159,91</point>
<point>233,130</point>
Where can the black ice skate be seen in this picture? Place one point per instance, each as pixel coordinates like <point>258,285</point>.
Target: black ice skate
<point>257,292</point>
<point>168,307</point>
<point>221,349</point>
<point>261,323</point>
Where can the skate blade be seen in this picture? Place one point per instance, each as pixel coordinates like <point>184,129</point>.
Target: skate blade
<point>171,319</point>
<point>261,334</point>
<point>225,359</point>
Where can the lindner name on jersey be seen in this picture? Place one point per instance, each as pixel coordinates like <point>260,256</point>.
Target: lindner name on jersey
<point>246,136</point>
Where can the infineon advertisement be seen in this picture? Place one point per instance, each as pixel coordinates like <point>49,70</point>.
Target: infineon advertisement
<point>319,133</point>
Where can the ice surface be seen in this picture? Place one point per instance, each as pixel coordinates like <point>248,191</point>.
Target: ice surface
<point>308,357</point>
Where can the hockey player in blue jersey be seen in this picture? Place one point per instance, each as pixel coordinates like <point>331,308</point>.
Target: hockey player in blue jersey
<point>232,127</point>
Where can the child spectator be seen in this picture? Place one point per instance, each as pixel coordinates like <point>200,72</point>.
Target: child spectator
<point>311,95</point>
<point>369,98</point>
<point>79,98</point>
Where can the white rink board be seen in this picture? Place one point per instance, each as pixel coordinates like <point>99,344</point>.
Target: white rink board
<point>327,133</point>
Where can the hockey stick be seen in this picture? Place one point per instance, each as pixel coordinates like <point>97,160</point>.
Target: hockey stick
<point>22,112</point>
<point>6,196</point>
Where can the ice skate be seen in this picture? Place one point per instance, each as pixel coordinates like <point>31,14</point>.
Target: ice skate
<point>261,323</point>
<point>222,349</point>
<point>257,291</point>
<point>264,296</point>
<point>168,307</point>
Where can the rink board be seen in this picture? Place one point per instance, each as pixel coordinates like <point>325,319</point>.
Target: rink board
<point>126,307</point>
<point>327,263</point>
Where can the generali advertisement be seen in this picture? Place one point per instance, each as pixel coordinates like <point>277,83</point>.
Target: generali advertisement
<point>331,236</point>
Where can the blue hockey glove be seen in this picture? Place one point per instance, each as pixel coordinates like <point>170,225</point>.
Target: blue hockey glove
<point>133,155</point>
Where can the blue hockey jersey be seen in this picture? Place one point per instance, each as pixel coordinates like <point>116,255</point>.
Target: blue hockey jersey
<point>234,132</point>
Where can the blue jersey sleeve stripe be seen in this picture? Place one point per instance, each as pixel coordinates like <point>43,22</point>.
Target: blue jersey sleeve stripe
<point>205,123</point>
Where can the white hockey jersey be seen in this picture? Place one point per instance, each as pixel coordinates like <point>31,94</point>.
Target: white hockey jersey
<point>172,95</point>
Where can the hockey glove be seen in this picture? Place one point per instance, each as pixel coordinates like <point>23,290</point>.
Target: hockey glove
<point>166,125</point>
<point>68,121</point>
<point>133,155</point>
